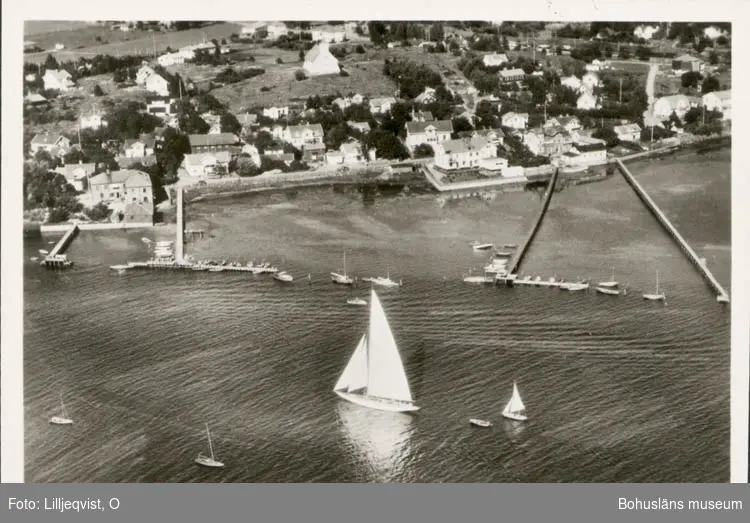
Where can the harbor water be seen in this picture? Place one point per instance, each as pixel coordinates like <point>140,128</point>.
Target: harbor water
<point>618,389</point>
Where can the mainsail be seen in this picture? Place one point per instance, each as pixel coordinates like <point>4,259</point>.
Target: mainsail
<point>515,405</point>
<point>376,368</point>
<point>354,376</point>
<point>386,376</point>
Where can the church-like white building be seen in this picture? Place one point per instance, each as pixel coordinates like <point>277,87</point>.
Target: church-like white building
<point>320,61</point>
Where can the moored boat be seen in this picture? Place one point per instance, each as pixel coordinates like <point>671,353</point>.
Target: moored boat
<point>480,423</point>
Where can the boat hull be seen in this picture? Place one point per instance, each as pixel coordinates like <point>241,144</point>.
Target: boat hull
<point>480,423</point>
<point>208,462</point>
<point>341,279</point>
<point>514,417</point>
<point>653,297</point>
<point>56,420</point>
<point>608,292</point>
<point>377,403</point>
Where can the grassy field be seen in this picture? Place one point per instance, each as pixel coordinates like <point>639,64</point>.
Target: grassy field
<point>82,42</point>
<point>366,79</point>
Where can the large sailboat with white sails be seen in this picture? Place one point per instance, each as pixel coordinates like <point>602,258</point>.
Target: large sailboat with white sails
<point>375,375</point>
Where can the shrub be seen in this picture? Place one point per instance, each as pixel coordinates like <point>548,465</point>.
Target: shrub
<point>299,76</point>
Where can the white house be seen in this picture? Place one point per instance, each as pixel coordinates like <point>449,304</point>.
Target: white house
<point>590,80</point>
<point>352,152</point>
<point>511,75</point>
<point>169,59</point>
<point>252,152</point>
<point>160,107</point>
<point>585,152</point>
<point>430,133</point>
<point>678,103</point>
<point>645,31</point>
<point>421,116</point>
<point>126,189</point>
<point>157,84</point>
<point>55,144</point>
<point>207,164</point>
<point>628,132</point>
<point>276,29</point>
<point>515,120</point>
<point>548,141</point>
<point>330,36</point>
<point>586,101</point>
<point>301,135</point>
<point>427,96</point>
<point>94,120</point>
<point>77,174</point>
<point>494,60</point>
<point>319,61</point>
<point>274,113</point>
<point>463,153</point>
<point>362,127</point>
<point>381,105</point>
<point>719,101</point>
<point>572,81</point>
<point>142,75</point>
<point>59,80</point>
<point>137,148</point>
<point>569,123</point>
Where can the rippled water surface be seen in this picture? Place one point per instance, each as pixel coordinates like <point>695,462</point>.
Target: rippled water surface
<point>617,389</point>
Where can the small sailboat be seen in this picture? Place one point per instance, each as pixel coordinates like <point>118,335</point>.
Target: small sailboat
<point>515,408</point>
<point>482,246</point>
<point>480,423</point>
<point>283,276</point>
<point>43,252</point>
<point>63,419</point>
<point>610,292</point>
<point>657,296</point>
<point>375,375</point>
<point>609,284</point>
<point>342,279</point>
<point>356,301</point>
<point>120,267</point>
<point>510,245</point>
<point>207,461</point>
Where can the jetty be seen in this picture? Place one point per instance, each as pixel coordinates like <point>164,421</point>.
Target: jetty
<point>515,264</point>
<point>56,259</point>
<point>721,294</point>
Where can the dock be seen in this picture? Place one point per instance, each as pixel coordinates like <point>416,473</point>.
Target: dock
<point>56,259</point>
<point>721,294</point>
<point>523,249</point>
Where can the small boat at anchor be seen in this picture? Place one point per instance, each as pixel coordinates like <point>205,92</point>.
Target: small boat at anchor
<point>207,461</point>
<point>384,282</point>
<point>283,276</point>
<point>479,279</point>
<point>510,245</point>
<point>609,284</point>
<point>120,267</point>
<point>574,286</point>
<point>218,268</point>
<point>342,279</point>
<point>63,419</point>
<point>609,292</point>
<point>515,409</point>
<point>356,301</point>
<point>656,296</point>
<point>480,423</point>
<point>482,246</point>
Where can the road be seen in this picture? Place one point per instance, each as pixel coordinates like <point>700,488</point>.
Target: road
<point>650,87</point>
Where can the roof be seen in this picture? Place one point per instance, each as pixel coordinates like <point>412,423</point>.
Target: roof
<point>285,157</point>
<point>627,128</point>
<point>70,170</point>
<point>60,74</point>
<point>247,118</point>
<point>35,98</point>
<point>350,148</point>
<point>125,162</point>
<point>444,126</point>
<point>512,72</point>
<point>212,140</point>
<point>687,58</point>
<point>496,56</point>
<point>721,95</point>
<point>358,125</point>
<point>298,130</point>
<point>463,145</point>
<point>46,139</point>
<point>383,100</point>
<point>313,147</point>
<point>316,52</point>
<point>514,114</point>
<point>206,158</point>
<point>128,177</point>
<point>426,115</point>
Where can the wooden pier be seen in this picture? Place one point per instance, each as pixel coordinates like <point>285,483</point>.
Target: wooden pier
<point>721,294</point>
<point>56,259</point>
<point>523,249</point>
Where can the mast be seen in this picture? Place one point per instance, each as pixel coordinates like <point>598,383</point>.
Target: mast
<point>211,448</point>
<point>344,262</point>
<point>657,282</point>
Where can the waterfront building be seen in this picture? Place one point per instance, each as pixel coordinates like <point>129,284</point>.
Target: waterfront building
<point>678,104</point>
<point>630,132</point>
<point>204,143</point>
<point>463,153</point>
<point>129,193</point>
<point>548,141</point>
<point>303,135</point>
<point>430,133</point>
<point>207,165</point>
<point>719,101</point>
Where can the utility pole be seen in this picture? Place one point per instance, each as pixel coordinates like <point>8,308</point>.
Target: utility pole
<point>620,90</point>
<point>652,134</point>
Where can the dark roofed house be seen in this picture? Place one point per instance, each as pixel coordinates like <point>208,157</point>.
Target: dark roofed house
<point>202,143</point>
<point>686,63</point>
<point>431,133</point>
<point>314,153</point>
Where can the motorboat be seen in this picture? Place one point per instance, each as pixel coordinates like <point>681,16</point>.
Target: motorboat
<point>480,423</point>
<point>283,276</point>
<point>356,301</point>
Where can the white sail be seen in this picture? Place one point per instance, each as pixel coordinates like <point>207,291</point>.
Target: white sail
<point>386,375</point>
<point>515,404</point>
<point>354,376</point>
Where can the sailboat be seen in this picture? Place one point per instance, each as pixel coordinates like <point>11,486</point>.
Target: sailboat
<point>375,376</point>
<point>657,296</point>
<point>63,419</point>
<point>609,284</point>
<point>604,290</point>
<point>515,408</point>
<point>342,279</point>
<point>205,460</point>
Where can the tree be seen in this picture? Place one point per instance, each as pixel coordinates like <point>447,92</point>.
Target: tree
<point>625,53</point>
<point>691,79</point>
<point>299,75</point>
<point>301,55</point>
<point>461,124</point>
<point>710,84</point>
<point>50,63</point>
<point>643,53</point>
<point>172,152</point>
<point>98,212</point>
<point>436,32</point>
<point>378,33</point>
<point>97,91</point>
<point>713,58</point>
<point>388,146</point>
<point>229,124</point>
<point>608,135</point>
<point>423,150</point>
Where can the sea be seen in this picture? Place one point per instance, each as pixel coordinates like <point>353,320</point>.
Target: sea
<point>617,389</point>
